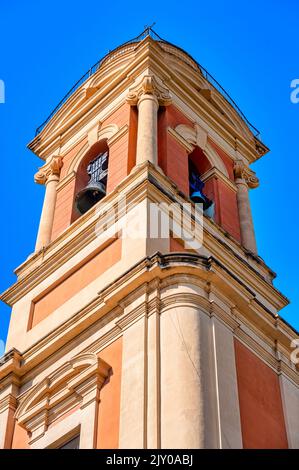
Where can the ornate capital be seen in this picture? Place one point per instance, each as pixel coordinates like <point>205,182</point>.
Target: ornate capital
<point>49,169</point>
<point>149,86</point>
<point>242,171</point>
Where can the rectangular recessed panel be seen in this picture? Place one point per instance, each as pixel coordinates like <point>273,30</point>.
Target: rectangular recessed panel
<point>75,281</point>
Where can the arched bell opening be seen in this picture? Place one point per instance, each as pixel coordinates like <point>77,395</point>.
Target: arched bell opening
<point>200,192</point>
<point>91,178</point>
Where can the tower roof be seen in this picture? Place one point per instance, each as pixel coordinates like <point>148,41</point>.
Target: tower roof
<point>166,45</point>
<point>185,77</point>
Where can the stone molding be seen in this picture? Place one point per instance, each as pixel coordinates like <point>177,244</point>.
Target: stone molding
<point>77,378</point>
<point>191,265</point>
<point>86,372</point>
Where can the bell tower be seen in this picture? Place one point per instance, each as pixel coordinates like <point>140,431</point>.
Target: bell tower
<point>141,321</point>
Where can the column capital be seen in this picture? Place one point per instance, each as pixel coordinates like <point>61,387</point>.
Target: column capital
<point>52,168</point>
<point>242,171</point>
<point>149,86</point>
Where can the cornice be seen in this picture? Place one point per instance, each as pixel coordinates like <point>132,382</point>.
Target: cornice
<point>160,270</point>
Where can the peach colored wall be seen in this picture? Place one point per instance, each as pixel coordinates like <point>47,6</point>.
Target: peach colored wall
<point>261,411</point>
<point>80,277</point>
<point>20,438</point>
<point>176,166</point>
<point>172,157</point>
<point>109,406</point>
<point>119,153</point>
<point>120,117</point>
<point>228,210</point>
<point>118,163</point>
<point>132,138</point>
<point>63,209</point>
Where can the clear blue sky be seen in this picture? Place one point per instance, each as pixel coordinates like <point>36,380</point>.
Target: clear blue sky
<point>250,47</point>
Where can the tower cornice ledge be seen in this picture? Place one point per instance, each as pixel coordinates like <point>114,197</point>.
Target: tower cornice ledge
<point>168,269</point>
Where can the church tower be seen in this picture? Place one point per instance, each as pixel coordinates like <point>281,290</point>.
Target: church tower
<point>138,321</point>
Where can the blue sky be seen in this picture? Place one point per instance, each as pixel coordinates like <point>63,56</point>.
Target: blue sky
<point>251,48</point>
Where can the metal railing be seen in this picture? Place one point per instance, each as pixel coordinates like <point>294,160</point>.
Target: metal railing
<point>149,32</point>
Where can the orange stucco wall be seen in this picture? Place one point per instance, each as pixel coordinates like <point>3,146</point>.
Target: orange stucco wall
<point>133,127</point>
<point>63,208</point>
<point>228,210</point>
<point>172,156</point>
<point>20,438</point>
<point>261,411</point>
<point>118,163</point>
<point>79,278</point>
<point>119,152</point>
<point>109,406</point>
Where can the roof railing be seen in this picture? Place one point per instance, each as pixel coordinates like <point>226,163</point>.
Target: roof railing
<point>148,31</point>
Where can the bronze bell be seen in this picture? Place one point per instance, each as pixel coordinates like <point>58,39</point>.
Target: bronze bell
<point>199,198</point>
<point>96,187</point>
<point>89,196</point>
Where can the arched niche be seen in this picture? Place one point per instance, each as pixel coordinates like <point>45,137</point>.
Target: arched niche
<point>197,138</point>
<point>89,152</point>
<point>82,176</point>
<point>105,133</point>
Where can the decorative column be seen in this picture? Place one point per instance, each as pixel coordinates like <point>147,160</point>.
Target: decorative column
<point>244,179</point>
<point>48,175</point>
<point>148,96</point>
